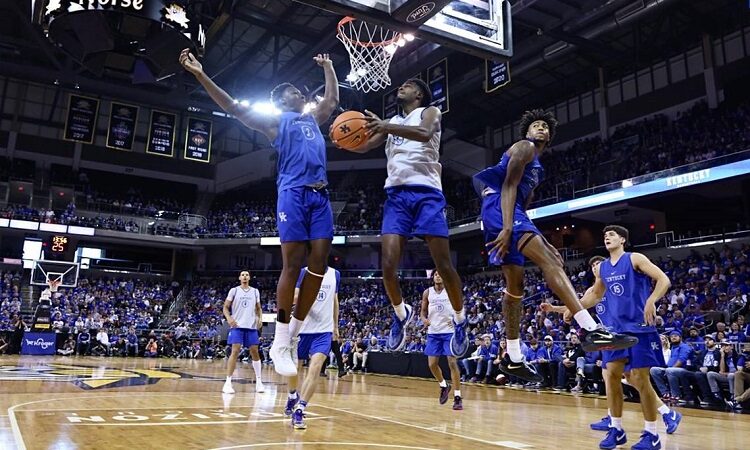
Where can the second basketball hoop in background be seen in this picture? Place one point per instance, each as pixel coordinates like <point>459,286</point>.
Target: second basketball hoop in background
<point>371,48</point>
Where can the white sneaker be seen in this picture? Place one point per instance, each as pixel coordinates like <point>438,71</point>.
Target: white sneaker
<point>227,389</point>
<point>259,388</point>
<point>283,362</point>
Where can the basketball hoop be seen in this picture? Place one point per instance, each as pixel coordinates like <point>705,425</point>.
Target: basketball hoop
<point>371,48</point>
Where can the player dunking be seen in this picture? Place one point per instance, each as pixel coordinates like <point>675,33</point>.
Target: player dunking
<point>244,315</point>
<point>437,316</point>
<point>626,303</point>
<point>305,217</point>
<point>415,204</point>
<point>320,327</point>
<point>512,236</point>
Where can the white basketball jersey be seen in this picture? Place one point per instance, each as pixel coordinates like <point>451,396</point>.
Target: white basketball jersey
<point>243,306</point>
<point>439,312</point>
<point>320,317</point>
<point>413,162</point>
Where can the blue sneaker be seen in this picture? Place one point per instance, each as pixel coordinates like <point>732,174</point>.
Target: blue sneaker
<point>672,420</point>
<point>648,442</point>
<point>614,438</point>
<point>397,336</point>
<point>298,420</point>
<point>290,404</point>
<point>459,340</point>
<point>602,425</point>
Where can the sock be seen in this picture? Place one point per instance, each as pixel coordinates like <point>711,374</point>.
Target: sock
<point>514,350</point>
<point>400,310</point>
<point>609,413</point>
<point>229,380</point>
<point>257,370</point>
<point>457,392</point>
<point>650,427</point>
<point>294,327</point>
<point>616,423</point>
<point>443,384</point>
<point>664,409</point>
<point>292,394</point>
<point>302,404</point>
<point>585,320</point>
<point>281,335</point>
<point>459,316</point>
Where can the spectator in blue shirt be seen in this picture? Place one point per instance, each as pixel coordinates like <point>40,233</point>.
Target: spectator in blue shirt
<point>676,368</point>
<point>695,341</point>
<point>548,358</point>
<point>486,352</point>
<point>735,336</point>
<point>84,342</point>
<point>131,342</point>
<point>742,379</point>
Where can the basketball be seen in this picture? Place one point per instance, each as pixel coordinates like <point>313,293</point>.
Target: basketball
<point>348,130</point>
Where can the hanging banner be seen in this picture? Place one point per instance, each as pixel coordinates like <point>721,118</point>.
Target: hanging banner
<point>161,134</point>
<point>198,140</point>
<point>121,130</point>
<point>437,80</point>
<point>496,75</point>
<point>80,122</point>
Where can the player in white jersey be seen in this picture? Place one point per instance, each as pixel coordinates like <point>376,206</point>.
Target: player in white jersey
<point>415,204</point>
<point>320,327</point>
<point>244,315</point>
<point>436,315</point>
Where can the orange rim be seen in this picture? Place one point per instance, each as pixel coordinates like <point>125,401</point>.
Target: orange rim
<point>349,19</point>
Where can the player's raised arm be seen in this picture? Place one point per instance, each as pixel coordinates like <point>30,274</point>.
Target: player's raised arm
<point>330,101</point>
<point>644,265</point>
<point>428,126</point>
<point>264,123</point>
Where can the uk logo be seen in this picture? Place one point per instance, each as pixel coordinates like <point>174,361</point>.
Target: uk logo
<point>398,140</point>
<point>282,217</point>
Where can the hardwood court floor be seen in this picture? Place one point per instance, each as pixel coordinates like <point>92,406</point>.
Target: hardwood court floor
<point>113,403</point>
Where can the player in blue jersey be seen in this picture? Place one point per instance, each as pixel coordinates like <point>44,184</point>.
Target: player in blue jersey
<point>512,237</point>
<point>304,214</point>
<point>625,302</point>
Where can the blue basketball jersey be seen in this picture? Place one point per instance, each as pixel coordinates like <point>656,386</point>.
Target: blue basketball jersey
<point>302,151</point>
<point>621,310</point>
<point>494,177</point>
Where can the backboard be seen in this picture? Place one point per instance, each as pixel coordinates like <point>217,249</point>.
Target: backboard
<point>478,27</point>
<point>64,271</point>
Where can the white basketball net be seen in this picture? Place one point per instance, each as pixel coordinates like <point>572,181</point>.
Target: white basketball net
<point>371,48</point>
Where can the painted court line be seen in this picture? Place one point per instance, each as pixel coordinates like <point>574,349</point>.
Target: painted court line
<point>460,436</point>
<point>171,424</point>
<point>303,443</point>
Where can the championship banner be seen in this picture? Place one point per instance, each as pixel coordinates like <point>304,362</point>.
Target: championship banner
<point>38,344</point>
<point>390,104</point>
<point>496,75</point>
<point>121,130</point>
<point>198,140</point>
<point>161,133</point>
<point>80,122</point>
<point>437,80</point>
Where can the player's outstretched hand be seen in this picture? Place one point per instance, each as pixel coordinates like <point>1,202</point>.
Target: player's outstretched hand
<point>374,123</point>
<point>546,307</point>
<point>501,244</point>
<point>568,316</point>
<point>323,60</point>
<point>190,63</point>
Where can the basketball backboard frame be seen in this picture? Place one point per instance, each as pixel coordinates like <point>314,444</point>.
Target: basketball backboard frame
<point>445,28</point>
<point>64,271</point>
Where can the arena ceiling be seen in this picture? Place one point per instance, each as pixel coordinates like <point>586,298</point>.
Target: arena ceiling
<point>252,44</point>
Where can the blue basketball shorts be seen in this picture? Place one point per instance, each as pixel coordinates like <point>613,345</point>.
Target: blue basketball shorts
<point>304,214</point>
<point>645,354</point>
<point>312,343</point>
<point>438,344</point>
<point>243,336</point>
<point>492,221</point>
<point>414,211</point>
